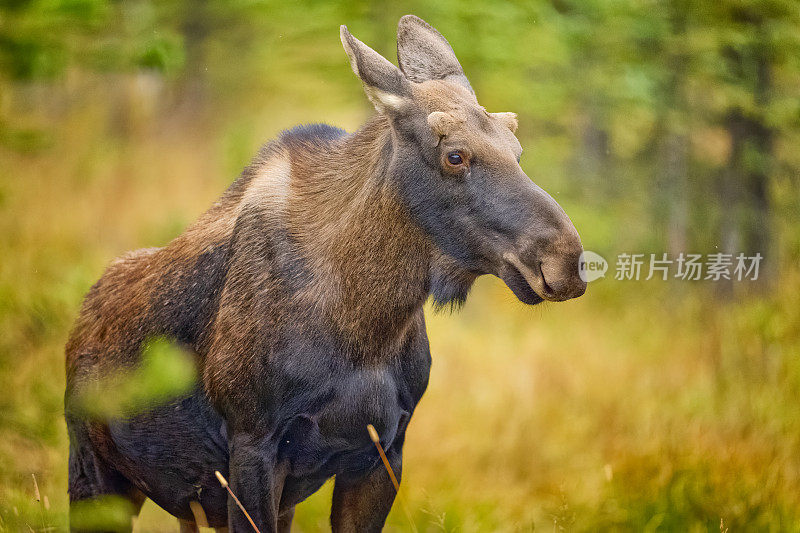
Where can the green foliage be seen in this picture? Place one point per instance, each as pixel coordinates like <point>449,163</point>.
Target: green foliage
<point>642,406</point>
<point>110,513</point>
<point>164,54</point>
<point>166,372</point>
<point>42,39</point>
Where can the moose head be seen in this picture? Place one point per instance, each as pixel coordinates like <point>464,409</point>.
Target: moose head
<point>456,167</point>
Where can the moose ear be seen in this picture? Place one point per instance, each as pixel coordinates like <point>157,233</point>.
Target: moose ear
<point>423,54</point>
<point>385,85</point>
<point>509,119</point>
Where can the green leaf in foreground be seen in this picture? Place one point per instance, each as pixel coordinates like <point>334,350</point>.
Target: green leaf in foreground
<point>107,513</point>
<point>166,372</point>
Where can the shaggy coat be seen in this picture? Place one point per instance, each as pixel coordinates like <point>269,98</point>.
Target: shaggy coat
<point>301,292</point>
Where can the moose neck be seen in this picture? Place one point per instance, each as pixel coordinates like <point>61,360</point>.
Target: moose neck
<point>370,262</point>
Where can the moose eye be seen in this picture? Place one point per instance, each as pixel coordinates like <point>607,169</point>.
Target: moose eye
<point>455,158</point>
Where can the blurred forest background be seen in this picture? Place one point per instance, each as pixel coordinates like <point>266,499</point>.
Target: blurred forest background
<point>660,126</point>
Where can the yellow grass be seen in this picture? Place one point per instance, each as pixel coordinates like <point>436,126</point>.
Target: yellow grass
<point>641,406</point>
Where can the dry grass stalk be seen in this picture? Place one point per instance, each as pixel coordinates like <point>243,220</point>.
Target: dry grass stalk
<point>224,483</point>
<point>373,434</point>
<point>38,497</point>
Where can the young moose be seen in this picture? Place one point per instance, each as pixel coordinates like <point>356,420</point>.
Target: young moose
<point>301,293</point>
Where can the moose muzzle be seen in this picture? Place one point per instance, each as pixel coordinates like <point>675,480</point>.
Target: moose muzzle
<point>546,261</point>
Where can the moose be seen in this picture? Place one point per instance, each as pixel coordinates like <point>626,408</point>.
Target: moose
<point>300,296</point>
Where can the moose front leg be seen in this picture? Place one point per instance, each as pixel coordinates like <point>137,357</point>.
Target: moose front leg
<point>363,503</point>
<point>257,480</point>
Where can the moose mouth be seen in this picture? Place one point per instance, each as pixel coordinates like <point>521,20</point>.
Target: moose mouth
<point>520,284</point>
<point>516,282</point>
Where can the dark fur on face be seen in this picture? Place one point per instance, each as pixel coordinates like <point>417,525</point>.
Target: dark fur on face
<point>301,293</point>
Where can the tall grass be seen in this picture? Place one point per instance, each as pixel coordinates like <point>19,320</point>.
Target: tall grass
<point>642,406</point>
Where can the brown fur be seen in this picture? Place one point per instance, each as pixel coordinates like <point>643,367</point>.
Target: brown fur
<point>320,258</point>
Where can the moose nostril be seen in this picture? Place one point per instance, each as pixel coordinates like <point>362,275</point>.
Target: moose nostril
<point>550,277</point>
<point>561,281</point>
<point>555,288</point>
<point>546,283</point>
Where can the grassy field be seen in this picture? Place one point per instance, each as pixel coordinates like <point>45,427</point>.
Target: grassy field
<point>643,406</point>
